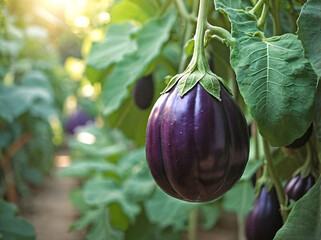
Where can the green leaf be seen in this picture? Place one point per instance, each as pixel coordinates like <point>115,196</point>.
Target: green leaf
<point>309,32</point>
<point>77,199</point>
<point>101,228</point>
<point>13,228</point>
<point>210,214</point>
<point>189,47</point>
<point>15,100</point>
<point>275,80</point>
<point>143,229</point>
<point>166,211</point>
<point>108,191</point>
<point>304,220</point>
<point>86,167</point>
<point>240,198</point>
<point>318,112</point>
<point>118,42</point>
<point>118,218</point>
<point>150,40</point>
<point>138,10</point>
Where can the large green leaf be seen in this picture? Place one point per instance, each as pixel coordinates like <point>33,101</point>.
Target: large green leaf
<point>304,219</point>
<point>143,229</point>
<point>106,192</point>
<point>166,211</point>
<point>318,112</point>
<point>137,10</point>
<point>101,228</point>
<point>150,40</point>
<point>87,167</point>
<point>13,228</point>
<point>240,198</point>
<point>118,42</point>
<point>275,80</point>
<point>309,32</point>
<point>15,100</point>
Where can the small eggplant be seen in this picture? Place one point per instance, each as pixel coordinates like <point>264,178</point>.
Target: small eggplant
<point>79,118</point>
<point>143,92</point>
<point>302,140</point>
<point>196,146</point>
<point>299,186</point>
<point>265,219</point>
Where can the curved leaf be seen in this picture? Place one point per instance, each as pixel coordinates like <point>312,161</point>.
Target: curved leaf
<point>309,32</point>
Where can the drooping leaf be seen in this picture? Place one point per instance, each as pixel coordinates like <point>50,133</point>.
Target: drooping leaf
<point>309,32</point>
<point>101,228</point>
<point>118,42</point>
<point>129,10</point>
<point>240,198</point>
<point>305,218</point>
<point>108,191</point>
<point>86,167</point>
<point>15,100</point>
<point>12,227</point>
<point>209,214</point>
<point>166,211</point>
<point>275,80</point>
<point>150,40</point>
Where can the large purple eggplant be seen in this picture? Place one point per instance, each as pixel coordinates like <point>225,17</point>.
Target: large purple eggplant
<point>78,118</point>
<point>299,186</point>
<point>265,219</point>
<point>143,92</point>
<point>302,140</point>
<point>196,146</point>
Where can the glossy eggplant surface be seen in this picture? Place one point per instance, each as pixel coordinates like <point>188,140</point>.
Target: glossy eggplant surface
<point>299,186</point>
<point>302,140</point>
<point>265,219</point>
<point>143,92</point>
<point>196,146</point>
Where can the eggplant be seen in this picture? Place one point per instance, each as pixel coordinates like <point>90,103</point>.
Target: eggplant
<point>78,118</point>
<point>302,140</point>
<point>196,146</point>
<point>298,186</point>
<point>143,92</point>
<point>265,219</point>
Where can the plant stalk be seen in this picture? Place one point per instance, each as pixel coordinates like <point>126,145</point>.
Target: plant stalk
<point>192,225</point>
<point>257,7</point>
<point>276,181</point>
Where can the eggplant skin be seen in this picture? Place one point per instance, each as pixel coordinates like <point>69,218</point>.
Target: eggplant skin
<point>196,146</point>
<point>78,118</point>
<point>302,140</point>
<point>265,219</point>
<point>143,92</point>
<point>299,186</point>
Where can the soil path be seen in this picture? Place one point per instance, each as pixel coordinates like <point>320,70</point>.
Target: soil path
<point>50,210</point>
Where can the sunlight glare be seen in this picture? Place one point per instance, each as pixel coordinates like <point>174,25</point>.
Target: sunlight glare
<point>85,137</point>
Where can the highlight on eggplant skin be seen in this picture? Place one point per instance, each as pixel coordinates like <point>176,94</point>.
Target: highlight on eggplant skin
<point>265,219</point>
<point>143,92</point>
<point>302,140</point>
<point>298,186</point>
<point>196,146</point>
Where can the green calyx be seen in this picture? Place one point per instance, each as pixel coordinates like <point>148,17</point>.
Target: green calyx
<point>264,180</point>
<point>198,70</point>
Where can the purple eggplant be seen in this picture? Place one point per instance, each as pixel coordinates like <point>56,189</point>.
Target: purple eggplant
<point>302,140</point>
<point>78,118</point>
<point>196,146</point>
<point>299,186</point>
<point>265,219</point>
<point>143,92</point>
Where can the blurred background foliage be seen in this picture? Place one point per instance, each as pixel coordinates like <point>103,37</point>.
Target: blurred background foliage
<point>59,56</point>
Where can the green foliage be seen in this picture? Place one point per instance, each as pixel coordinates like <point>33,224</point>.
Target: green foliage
<point>309,32</point>
<point>280,96</point>
<point>304,219</point>
<point>150,40</point>
<point>12,227</point>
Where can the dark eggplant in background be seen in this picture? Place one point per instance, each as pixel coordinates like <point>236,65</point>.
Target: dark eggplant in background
<point>302,140</point>
<point>78,118</point>
<point>143,92</point>
<point>298,186</point>
<point>196,146</point>
<point>265,219</point>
